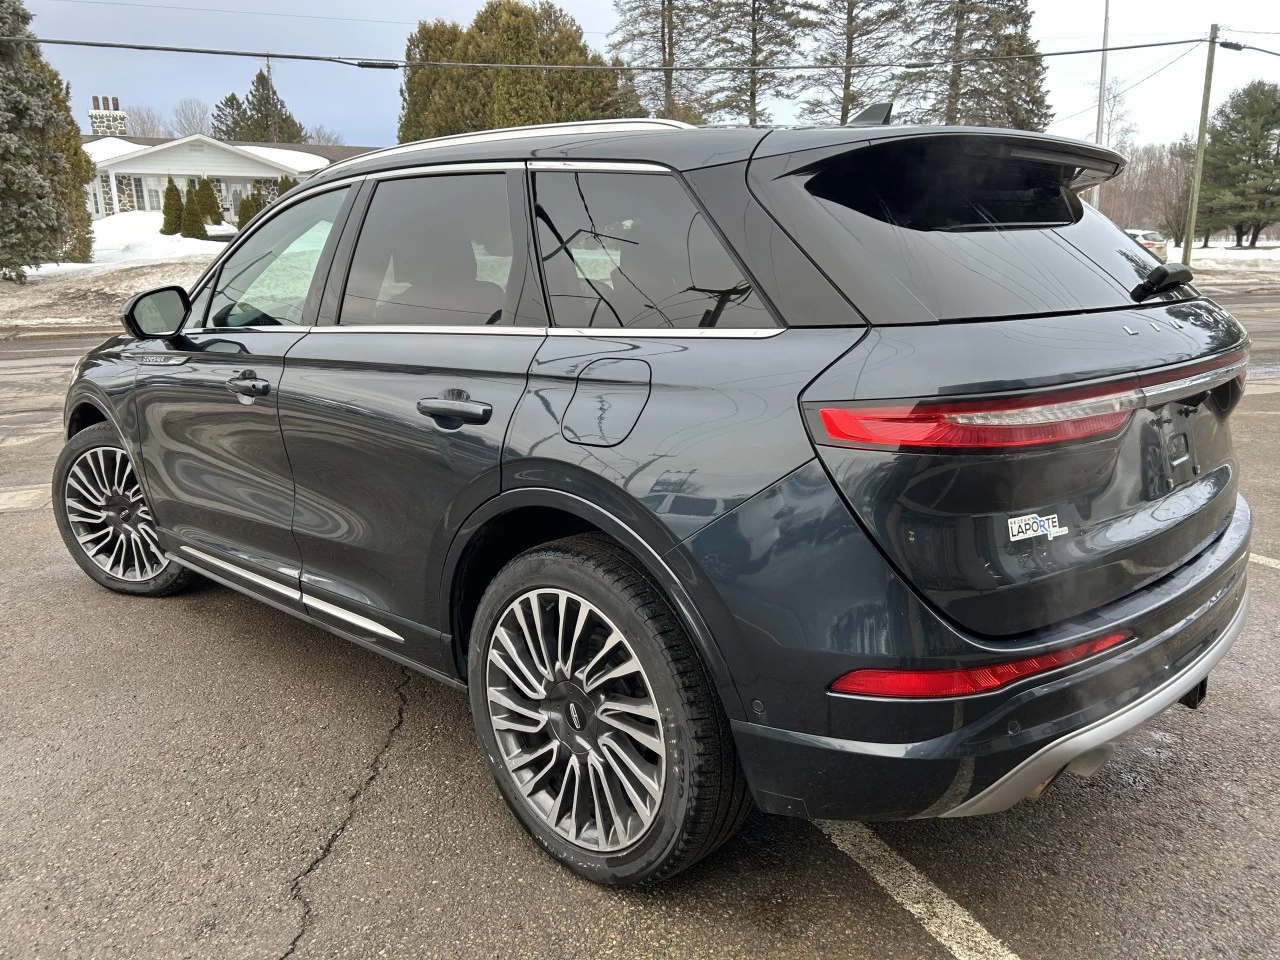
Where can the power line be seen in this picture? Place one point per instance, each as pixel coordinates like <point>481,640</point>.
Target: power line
<point>254,13</point>
<point>395,64</point>
<point>1119,93</point>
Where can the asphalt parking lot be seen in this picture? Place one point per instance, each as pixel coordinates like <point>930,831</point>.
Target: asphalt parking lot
<point>203,776</point>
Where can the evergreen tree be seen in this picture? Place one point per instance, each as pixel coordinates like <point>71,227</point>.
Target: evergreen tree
<point>437,103</point>
<point>249,206</point>
<point>172,209</point>
<point>433,42</point>
<point>192,218</point>
<point>989,93</point>
<point>266,117</point>
<point>849,33</point>
<point>666,33</point>
<point>285,183</point>
<point>33,220</point>
<point>76,170</point>
<point>229,118</point>
<point>519,96</point>
<point>1242,163</point>
<point>756,33</point>
<point>210,208</point>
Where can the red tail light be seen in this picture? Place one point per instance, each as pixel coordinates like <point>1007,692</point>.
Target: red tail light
<point>1024,421</point>
<point>916,684</point>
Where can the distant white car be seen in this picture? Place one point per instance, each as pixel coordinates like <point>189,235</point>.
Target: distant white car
<point>1152,241</point>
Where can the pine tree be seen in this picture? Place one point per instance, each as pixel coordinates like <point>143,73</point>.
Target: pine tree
<point>210,208</point>
<point>249,206</point>
<point>76,170</point>
<point>989,93</point>
<point>266,117</point>
<point>429,42</point>
<point>437,103</point>
<point>1242,163</point>
<point>519,96</point>
<point>229,118</point>
<point>192,218</point>
<point>666,33</point>
<point>172,209</point>
<point>33,222</point>
<point>756,33</point>
<point>850,33</point>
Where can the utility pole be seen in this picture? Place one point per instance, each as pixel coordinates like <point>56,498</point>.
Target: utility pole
<point>1102,91</point>
<point>1199,167</point>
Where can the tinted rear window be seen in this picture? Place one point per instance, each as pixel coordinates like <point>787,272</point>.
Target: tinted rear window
<point>953,227</point>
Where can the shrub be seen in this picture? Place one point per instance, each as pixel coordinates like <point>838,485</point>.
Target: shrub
<point>249,206</point>
<point>209,205</point>
<point>192,218</point>
<point>172,210</point>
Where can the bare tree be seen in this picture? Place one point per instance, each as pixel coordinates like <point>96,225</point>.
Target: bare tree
<point>146,122</point>
<point>323,135</point>
<point>191,116</point>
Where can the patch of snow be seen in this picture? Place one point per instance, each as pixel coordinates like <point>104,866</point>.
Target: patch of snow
<point>296,159</point>
<point>108,148</point>
<point>134,238</point>
<point>1225,256</point>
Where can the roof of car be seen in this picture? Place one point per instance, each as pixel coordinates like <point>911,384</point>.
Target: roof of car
<point>666,142</point>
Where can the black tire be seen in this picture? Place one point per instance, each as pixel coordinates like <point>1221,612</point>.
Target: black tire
<point>168,577</point>
<point>703,797</point>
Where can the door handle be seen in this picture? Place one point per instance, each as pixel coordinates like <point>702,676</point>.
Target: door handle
<point>248,384</point>
<point>449,412</point>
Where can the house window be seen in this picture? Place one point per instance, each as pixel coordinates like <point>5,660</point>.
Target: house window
<point>96,208</point>
<point>139,202</point>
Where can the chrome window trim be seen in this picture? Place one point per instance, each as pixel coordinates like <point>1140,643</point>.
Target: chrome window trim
<point>670,333</point>
<point>364,623</point>
<point>240,571</point>
<point>667,333</point>
<point>430,328</point>
<point>598,166</point>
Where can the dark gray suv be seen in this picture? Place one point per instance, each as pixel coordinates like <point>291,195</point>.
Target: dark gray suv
<point>855,472</point>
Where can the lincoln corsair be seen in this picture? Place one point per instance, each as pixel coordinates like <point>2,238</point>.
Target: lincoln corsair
<point>859,472</point>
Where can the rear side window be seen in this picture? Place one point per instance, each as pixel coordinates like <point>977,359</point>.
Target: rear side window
<point>432,251</point>
<point>955,227</point>
<point>632,250</point>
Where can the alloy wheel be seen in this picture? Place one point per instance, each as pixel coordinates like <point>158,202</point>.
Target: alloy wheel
<point>575,720</point>
<point>109,516</point>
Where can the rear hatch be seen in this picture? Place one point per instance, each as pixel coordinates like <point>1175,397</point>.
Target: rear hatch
<point>1023,440</point>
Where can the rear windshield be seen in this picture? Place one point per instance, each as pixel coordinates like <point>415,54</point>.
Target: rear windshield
<point>954,227</point>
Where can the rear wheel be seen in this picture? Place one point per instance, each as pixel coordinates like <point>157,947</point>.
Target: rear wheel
<point>598,719</point>
<point>104,518</point>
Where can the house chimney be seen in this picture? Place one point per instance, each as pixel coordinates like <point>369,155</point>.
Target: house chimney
<point>106,119</point>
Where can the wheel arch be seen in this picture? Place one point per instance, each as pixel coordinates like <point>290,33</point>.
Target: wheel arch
<point>534,512</point>
<point>83,410</point>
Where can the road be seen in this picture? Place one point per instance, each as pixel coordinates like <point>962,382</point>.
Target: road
<point>202,776</point>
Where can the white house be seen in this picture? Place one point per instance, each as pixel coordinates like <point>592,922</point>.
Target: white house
<point>132,172</point>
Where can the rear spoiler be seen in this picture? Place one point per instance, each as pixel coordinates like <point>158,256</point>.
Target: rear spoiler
<point>1090,164</point>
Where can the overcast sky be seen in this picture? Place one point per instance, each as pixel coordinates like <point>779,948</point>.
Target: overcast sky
<point>362,105</point>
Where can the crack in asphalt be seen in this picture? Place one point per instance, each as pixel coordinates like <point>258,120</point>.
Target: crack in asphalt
<point>372,771</point>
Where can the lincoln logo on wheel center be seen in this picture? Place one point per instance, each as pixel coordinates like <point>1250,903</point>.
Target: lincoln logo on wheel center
<point>705,459</point>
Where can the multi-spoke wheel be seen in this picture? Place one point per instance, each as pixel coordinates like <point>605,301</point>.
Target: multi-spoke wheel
<point>575,718</point>
<point>598,719</point>
<point>109,517</point>
<point>104,517</point>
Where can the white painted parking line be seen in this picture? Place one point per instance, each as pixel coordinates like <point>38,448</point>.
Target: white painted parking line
<point>1265,561</point>
<point>25,498</point>
<point>944,919</point>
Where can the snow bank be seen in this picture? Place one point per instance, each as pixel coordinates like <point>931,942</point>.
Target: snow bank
<point>135,238</point>
<point>1265,258</point>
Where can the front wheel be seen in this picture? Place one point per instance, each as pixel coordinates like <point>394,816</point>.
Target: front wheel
<point>597,716</point>
<point>104,518</point>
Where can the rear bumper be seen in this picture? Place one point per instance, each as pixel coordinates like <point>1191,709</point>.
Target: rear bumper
<point>983,767</point>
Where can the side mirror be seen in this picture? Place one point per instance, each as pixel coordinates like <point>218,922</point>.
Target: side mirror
<point>155,314</point>
<point>1164,277</point>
